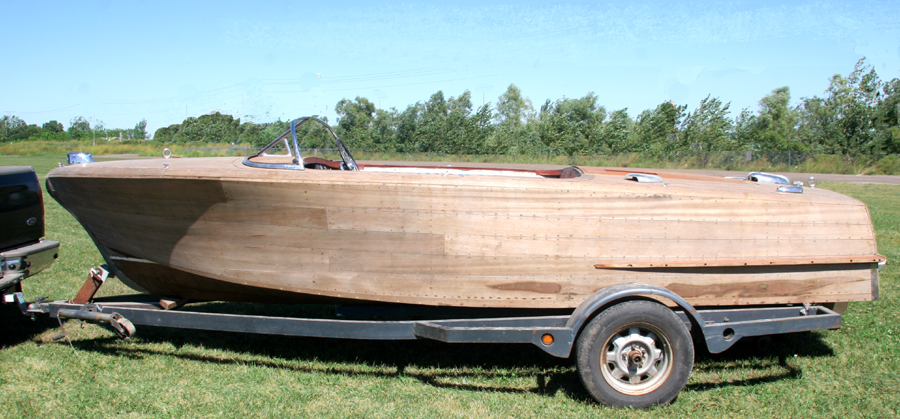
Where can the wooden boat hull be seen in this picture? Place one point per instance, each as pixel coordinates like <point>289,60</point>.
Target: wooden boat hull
<point>214,229</point>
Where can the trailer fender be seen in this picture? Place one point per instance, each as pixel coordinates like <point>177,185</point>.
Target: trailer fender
<point>606,297</point>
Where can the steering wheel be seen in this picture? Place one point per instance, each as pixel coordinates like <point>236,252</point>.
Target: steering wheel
<point>348,162</point>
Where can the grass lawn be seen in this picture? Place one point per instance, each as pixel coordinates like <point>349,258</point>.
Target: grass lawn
<point>851,372</point>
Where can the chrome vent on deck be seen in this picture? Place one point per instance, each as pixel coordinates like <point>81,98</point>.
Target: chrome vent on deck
<point>644,178</point>
<point>791,188</point>
<point>762,177</point>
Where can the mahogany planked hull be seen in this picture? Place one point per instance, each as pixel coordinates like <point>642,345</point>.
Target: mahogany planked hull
<point>213,229</point>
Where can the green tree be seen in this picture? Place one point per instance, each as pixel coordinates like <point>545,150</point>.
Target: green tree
<point>617,133</point>
<point>572,126</point>
<point>888,117</point>
<point>814,125</point>
<point>9,126</point>
<point>167,134</point>
<point>52,127</point>
<point>15,129</point>
<point>250,133</point>
<point>314,135</point>
<point>855,117</point>
<point>433,123</point>
<point>355,122</point>
<point>79,127</point>
<point>408,127</point>
<point>513,109</point>
<point>272,130</point>
<point>358,113</point>
<point>709,126</point>
<point>99,130</point>
<point>514,131</point>
<point>742,132</point>
<point>774,128</point>
<point>466,132</point>
<point>215,127</point>
<point>852,104</point>
<point>140,130</point>
<point>211,128</point>
<point>384,131</point>
<point>656,131</point>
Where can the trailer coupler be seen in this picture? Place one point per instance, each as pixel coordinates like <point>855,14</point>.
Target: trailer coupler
<point>88,312</point>
<point>122,326</point>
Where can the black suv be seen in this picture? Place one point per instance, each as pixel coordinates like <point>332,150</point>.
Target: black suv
<point>23,252</point>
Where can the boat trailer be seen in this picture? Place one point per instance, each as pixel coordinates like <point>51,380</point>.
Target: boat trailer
<point>632,341</point>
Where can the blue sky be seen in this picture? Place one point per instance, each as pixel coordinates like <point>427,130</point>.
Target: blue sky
<point>122,61</point>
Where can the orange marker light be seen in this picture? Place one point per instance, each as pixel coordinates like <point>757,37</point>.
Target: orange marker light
<point>547,339</point>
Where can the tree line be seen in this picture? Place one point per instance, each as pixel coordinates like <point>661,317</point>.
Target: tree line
<point>13,128</point>
<point>857,114</point>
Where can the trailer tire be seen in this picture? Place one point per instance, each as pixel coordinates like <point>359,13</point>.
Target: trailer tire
<point>635,354</point>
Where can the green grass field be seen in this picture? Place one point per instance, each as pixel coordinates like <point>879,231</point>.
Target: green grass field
<point>851,372</point>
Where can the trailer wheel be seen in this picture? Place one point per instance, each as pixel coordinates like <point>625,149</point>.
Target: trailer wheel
<point>636,353</point>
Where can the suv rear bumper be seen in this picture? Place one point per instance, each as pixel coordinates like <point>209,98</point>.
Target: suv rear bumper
<point>19,263</point>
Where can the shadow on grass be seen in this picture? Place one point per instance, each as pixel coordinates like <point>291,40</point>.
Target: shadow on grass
<point>440,364</point>
<point>767,356</point>
<point>433,363</point>
<point>16,328</point>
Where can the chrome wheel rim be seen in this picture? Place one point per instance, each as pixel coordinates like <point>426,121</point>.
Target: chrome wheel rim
<point>636,359</point>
